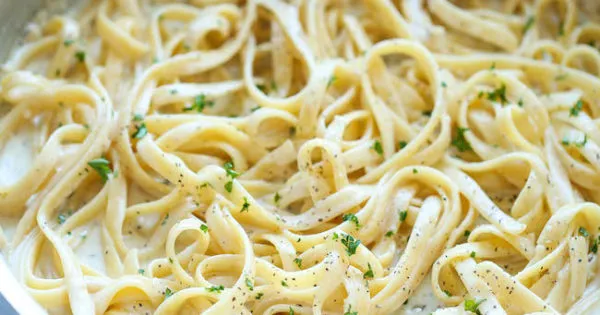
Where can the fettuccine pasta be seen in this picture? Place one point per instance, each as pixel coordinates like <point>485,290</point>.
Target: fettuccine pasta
<point>305,157</point>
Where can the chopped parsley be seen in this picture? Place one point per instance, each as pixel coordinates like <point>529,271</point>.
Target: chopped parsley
<point>277,197</point>
<point>415,171</point>
<point>249,284</point>
<point>389,233</point>
<point>403,215</point>
<point>199,104</point>
<point>141,271</point>
<point>460,142</point>
<point>377,147</point>
<point>259,296</point>
<point>228,166</point>
<point>472,306</point>
<point>447,293</point>
<point>352,218</point>
<point>402,144</point>
<point>291,312</point>
<point>561,29</point>
<point>472,254</point>
<point>467,233</point>
<point>68,42</point>
<point>298,262</point>
<point>582,144</point>
<point>351,244</point>
<point>528,24</point>
<point>245,206</point>
<point>594,246</point>
<point>369,273</point>
<point>561,77</point>
<point>583,232</point>
<point>262,88</point>
<point>168,293</point>
<point>444,85</point>
<point>335,236</point>
<point>498,94</point>
<point>349,311</point>
<point>493,66</point>
<point>62,217</point>
<point>283,283</point>
<point>164,221</point>
<point>80,55</point>
<point>574,111</point>
<point>332,79</point>
<point>140,131</point>
<point>253,109</point>
<point>216,288</point>
<point>273,85</point>
<point>204,228</point>
<point>229,186</point>
<point>427,113</point>
<point>101,166</point>
<point>520,102</point>
<point>138,117</point>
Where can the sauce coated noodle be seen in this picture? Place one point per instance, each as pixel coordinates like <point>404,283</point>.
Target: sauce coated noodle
<point>305,157</point>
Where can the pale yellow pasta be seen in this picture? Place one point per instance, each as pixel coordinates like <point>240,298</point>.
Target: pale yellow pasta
<point>305,157</point>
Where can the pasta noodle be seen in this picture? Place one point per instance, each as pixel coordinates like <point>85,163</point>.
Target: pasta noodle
<point>305,157</point>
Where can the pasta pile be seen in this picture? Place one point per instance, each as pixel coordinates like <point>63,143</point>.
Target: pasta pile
<point>305,157</point>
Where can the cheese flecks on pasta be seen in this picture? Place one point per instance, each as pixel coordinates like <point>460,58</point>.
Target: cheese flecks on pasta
<point>305,157</point>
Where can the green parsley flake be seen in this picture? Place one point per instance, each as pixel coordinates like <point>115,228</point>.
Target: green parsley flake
<point>245,206</point>
<point>444,85</point>
<point>467,233</point>
<point>472,306</point>
<point>528,24</point>
<point>594,246</point>
<point>276,198</point>
<point>141,271</point>
<point>291,312</point>
<point>332,79</point>
<point>351,244</point>
<point>259,296</point>
<point>349,311</point>
<point>138,117</point>
<point>80,55</point>
<point>216,288</point>
<point>229,186</point>
<point>249,284</point>
<point>498,94</point>
<point>204,228</point>
<point>140,131</point>
<point>164,221</point>
<point>199,104</point>
<point>168,293</point>
<point>460,142</point>
<point>574,111</point>
<point>298,262</point>
<point>583,232</point>
<point>377,147</point>
<point>389,233</point>
<point>472,254</point>
<point>283,283</point>
<point>68,42</point>
<point>403,215</point>
<point>352,218</point>
<point>447,293</point>
<point>402,144</point>
<point>228,166</point>
<point>369,273</point>
<point>101,166</point>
